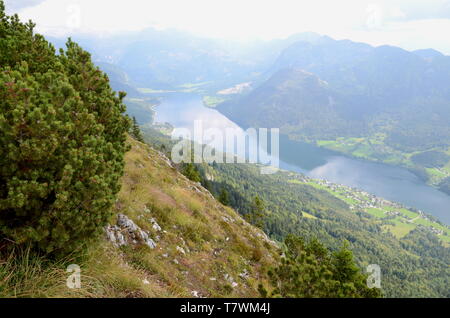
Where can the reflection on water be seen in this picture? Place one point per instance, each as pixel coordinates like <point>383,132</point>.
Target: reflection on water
<point>392,183</point>
<point>181,110</point>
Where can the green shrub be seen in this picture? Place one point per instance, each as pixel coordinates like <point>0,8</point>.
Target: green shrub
<point>191,172</point>
<point>62,141</point>
<point>310,270</point>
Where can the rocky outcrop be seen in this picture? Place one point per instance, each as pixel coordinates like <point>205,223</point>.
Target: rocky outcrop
<point>126,232</point>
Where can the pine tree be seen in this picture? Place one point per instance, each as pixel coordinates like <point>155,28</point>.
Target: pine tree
<point>191,172</point>
<point>310,270</point>
<point>224,197</point>
<point>136,131</point>
<point>257,213</point>
<point>352,283</point>
<point>62,141</point>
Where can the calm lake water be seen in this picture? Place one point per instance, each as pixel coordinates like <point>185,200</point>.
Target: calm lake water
<point>392,183</point>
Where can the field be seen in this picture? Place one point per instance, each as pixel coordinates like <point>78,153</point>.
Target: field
<point>392,217</point>
<point>309,216</point>
<point>212,101</point>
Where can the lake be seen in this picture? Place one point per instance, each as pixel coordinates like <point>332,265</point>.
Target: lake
<point>389,182</point>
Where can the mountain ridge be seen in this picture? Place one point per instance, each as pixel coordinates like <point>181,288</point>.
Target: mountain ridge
<point>388,100</point>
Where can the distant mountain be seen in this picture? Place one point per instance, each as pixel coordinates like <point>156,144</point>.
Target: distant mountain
<point>374,90</point>
<point>372,73</point>
<point>293,100</point>
<point>119,79</point>
<point>382,103</point>
<point>166,59</point>
<point>428,54</point>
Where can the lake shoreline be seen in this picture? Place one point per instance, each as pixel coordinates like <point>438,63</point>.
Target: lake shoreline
<point>402,185</point>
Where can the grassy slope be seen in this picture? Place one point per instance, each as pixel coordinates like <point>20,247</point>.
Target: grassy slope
<point>219,245</point>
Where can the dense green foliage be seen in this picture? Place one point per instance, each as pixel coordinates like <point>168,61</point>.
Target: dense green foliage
<point>191,172</point>
<point>414,266</point>
<point>62,141</point>
<point>308,269</point>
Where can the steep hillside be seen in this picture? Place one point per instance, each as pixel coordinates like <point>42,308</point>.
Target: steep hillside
<point>168,238</point>
<point>413,259</point>
<point>411,249</point>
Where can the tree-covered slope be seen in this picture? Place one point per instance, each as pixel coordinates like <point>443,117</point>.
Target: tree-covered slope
<point>415,265</point>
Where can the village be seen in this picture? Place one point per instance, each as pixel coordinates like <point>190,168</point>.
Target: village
<point>390,213</point>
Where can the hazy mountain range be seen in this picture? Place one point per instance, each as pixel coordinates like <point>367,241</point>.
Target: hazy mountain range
<point>327,89</point>
<point>382,103</point>
<point>165,59</point>
<point>394,103</point>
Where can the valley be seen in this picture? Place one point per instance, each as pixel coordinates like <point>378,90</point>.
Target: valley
<point>387,181</point>
<point>393,217</point>
<point>386,105</point>
<point>158,162</point>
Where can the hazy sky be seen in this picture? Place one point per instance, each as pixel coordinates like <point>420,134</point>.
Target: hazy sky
<point>410,24</point>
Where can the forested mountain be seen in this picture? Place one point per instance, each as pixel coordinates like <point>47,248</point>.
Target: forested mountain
<point>429,54</point>
<point>384,100</point>
<point>293,100</point>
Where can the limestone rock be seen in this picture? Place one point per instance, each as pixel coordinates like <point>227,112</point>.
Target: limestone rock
<point>155,225</point>
<point>127,232</point>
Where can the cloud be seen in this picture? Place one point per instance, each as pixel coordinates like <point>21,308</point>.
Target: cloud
<point>16,5</point>
<point>380,13</point>
<point>423,10</point>
<point>406,23</point>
